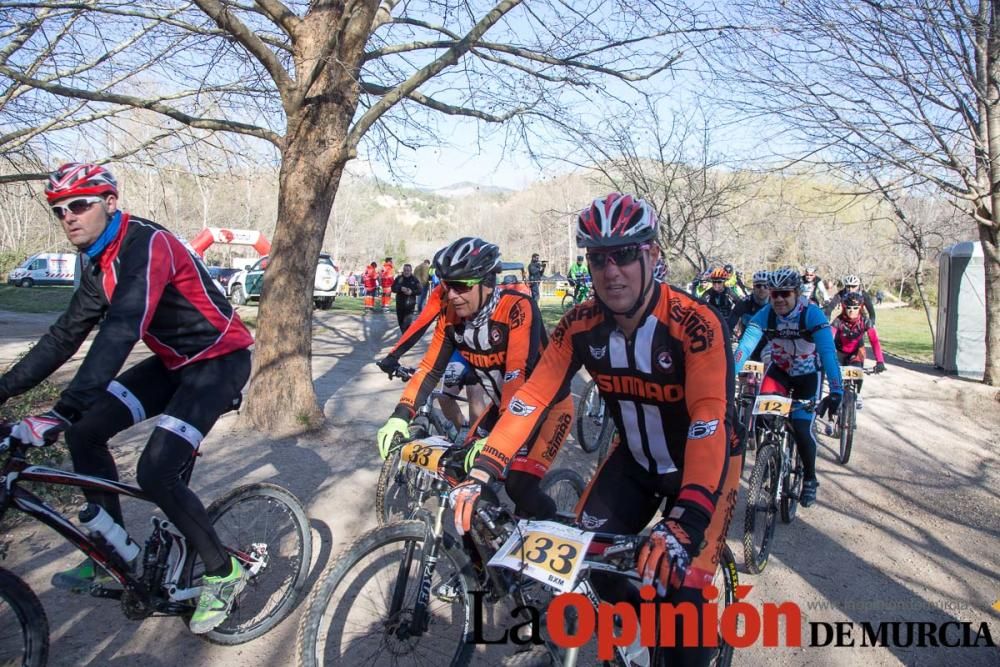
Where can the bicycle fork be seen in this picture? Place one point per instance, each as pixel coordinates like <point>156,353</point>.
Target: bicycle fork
<point>428,563</point>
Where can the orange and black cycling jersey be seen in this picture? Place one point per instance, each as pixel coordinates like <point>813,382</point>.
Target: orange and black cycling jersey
<point>414,332</point>
<point>502,343</point>
<point>668,388</point>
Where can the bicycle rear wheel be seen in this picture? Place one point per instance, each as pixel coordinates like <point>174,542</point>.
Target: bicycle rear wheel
<point>267,523</point>
<point>758,520</point>
<point>792,482</point>
<point>568,302</point>
<point>593,423</point>
<point>847,421</point>
<point>24,628</point>
<point>565,487</point>
<point>349,617</point>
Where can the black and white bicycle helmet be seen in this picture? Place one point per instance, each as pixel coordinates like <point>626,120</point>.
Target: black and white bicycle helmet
<point>852,280</point>
<point>784,278</point>
<point>615,220</point>
<point>468,258</point>
<point>761,277</point>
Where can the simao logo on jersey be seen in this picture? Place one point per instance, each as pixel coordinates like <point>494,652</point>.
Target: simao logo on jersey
<point>516,316</point>
<point>496,335</point>
<point>664,360</point>
<point>520,408</point>
<point>598,352</point>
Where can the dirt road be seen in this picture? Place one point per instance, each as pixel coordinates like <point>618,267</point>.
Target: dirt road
<point>908,531</point>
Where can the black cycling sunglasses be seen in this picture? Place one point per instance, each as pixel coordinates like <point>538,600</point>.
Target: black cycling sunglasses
<point>461,286</point>
<point>618,256</point>
<point>76,207</point>
<point>782,293</point>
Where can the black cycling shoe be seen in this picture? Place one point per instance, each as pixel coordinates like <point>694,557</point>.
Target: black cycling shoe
<point>808,496</point>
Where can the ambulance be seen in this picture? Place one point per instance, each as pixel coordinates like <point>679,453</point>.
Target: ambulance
<point>47,268</point>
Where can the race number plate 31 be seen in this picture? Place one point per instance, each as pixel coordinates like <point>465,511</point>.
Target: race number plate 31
<point>851,373</point>
<point>753,367</point>
<point>772,404</point>
<point>425,453</point>
<point>546,551</point>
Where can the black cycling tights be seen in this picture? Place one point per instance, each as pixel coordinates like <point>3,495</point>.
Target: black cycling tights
<point>805,441</point>
<point>190,400</point>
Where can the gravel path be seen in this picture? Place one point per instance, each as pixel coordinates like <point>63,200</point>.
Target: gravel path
<point>909,530</point>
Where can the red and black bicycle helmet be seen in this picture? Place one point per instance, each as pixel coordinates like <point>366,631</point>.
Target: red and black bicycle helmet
<point>616,220</point>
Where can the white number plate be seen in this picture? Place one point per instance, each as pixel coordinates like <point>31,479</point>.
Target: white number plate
<point>753,367</point>
<point>546,551</point>
<point>772,404</point>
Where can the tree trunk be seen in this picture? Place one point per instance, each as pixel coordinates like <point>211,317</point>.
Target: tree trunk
<point>988,228</point>
<point>919,282</point>
<point>282,398</point>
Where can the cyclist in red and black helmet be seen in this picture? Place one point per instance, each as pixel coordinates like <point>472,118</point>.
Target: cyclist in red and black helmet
<point>142,283</point>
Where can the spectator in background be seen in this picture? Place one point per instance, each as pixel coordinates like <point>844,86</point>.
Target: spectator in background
<point>370,283</point>
<point>536,268</point>
<point>352,285</point>
<point>388,276</point>
<point>423,274</point>
<point>879,297</point>
<point>407,288</point>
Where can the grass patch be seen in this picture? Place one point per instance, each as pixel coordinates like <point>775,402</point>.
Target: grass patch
<point>903,332</point>
<point>52,299</point>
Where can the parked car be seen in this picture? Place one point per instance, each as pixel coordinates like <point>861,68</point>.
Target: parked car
<point>245,285</point>
<point>47,268</point>
<point>223,276</point>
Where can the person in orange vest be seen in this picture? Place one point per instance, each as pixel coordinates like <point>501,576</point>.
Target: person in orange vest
<point>388,277</point>
<point>370,280</point>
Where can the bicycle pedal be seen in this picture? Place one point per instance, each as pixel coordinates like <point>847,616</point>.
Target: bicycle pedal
<point>102,592</point>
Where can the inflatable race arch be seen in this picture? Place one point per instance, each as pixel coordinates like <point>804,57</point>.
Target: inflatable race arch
<point>210,235</point>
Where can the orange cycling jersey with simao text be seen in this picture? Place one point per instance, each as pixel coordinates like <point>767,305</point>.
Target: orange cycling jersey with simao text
<point>669,388</point>
<point>502,343</point>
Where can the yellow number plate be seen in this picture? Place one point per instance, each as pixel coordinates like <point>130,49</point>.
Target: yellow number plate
<point>753,367</point>
<point>422,454</point>
<point>772,404</point>
<point>546,551</point>
<point>852,373</point>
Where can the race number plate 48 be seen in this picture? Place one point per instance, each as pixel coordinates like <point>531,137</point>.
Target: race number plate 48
<point>772,404</point>
<point>425,453</point>
<point>851,373</point>
<point>546,551</point>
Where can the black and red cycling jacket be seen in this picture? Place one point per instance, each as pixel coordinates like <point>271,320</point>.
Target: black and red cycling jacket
<point>668,387</point>
<point>147,284</point>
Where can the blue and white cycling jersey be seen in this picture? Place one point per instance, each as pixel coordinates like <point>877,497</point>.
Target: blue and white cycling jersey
<point>799,344</point>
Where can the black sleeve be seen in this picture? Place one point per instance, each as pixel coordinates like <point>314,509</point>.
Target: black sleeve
<point>738,311</point>
<point>61,342</point>
<point>831,304</point>
<point>396,284</point>
<point>869,307</point>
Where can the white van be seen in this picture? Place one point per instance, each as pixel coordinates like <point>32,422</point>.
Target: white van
<point>47,268</point>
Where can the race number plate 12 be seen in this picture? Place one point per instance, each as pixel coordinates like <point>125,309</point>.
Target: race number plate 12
<point>546,551</point>
<point>772,404</point>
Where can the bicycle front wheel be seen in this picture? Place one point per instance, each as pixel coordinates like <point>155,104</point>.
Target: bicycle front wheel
<point>565,487</point>
<point>792,482</point>
<point>362,610</point>
<point>261,525</point>
<point>847,421</point>
<point>726,580</point>
<point>24,628</point>
<point>758,521</point>
<point>593,423</point>
<point>568,302</point>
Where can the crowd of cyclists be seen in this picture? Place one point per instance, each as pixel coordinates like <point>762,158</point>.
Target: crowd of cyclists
<point>663,358</point>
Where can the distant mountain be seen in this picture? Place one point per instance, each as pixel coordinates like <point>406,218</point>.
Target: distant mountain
<point>468,188</point>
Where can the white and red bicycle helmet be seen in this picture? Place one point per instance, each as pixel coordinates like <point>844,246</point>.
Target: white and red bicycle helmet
<point>77,179</point>
<point>615,220</point>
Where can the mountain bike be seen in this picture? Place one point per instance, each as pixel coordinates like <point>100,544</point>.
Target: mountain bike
<point>262,525</point>
<point>594,425</point>
<point>747,386</point>
<point>408,591</point>
<point>846,420</point>
<point>401,489</point>
<point>776,479</point>
<point>581,292</point>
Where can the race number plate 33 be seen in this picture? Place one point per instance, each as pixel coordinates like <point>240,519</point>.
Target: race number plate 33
<point>545,551</point>
<point>851,373</point>
<point>425,453</point>
<point>772,404</point>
